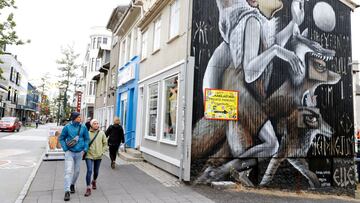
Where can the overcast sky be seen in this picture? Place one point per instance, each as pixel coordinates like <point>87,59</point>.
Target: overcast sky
<point>50,24</point>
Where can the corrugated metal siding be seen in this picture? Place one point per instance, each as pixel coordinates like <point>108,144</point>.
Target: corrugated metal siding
<point>328,158</point>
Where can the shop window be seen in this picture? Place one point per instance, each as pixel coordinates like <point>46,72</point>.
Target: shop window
<point>170,105</point>
<point>152,110</point>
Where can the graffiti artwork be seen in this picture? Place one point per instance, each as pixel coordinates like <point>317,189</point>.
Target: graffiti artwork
<point>288,60</point>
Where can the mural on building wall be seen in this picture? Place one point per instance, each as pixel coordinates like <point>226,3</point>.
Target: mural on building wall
<point>289,62</point>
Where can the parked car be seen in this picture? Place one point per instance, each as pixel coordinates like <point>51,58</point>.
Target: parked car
<point>10,124</point>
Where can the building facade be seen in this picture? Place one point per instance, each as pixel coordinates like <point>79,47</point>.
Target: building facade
<point>287,66</point>
<point>32,103</point>
<point>127,35</point>
<point>92,63</point>
<point>165,86</point>
<point>16,84</point>
<point>103,111</point>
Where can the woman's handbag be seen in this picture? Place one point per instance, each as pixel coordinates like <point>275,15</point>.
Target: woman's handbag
<point>122,147</point>
<point>74,141</point>
<point>84,155</point>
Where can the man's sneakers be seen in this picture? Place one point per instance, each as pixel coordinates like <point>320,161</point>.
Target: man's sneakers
<point>88,192</point>
<point>67,196</point>
<point>113,164</point>
<point>72,188</point>
<point>93,183</point>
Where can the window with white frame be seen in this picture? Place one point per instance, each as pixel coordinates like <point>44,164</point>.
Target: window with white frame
<point>144,45</point>
<point>170,106</point>
<point>113,77</point>
<point>93,42</point>
<point>157,34</point>
<point>152,117</point>
<point>105,39</point>
<point>98,42</point>
<point>90,88</point>
<point>128,47</point>
<point>135,41</point>
<point>123,51</point>
<point>174,19</point>
<point>93,64</point>
<point>97,64</point>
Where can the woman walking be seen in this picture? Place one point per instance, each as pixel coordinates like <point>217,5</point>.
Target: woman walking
<point>97,147</point>
<point>115,134</point>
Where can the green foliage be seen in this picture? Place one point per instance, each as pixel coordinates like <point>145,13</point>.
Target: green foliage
<point>8,34</point>
<point>67,66</point>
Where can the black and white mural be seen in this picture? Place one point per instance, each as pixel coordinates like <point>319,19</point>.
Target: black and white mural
<point>289,61</point>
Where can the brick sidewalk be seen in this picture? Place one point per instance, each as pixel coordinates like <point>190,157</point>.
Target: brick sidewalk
<point>127,183</point>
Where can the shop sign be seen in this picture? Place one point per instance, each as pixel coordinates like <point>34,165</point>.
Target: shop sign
<point>126,74</point>
<point>78,102</point>
<point>221,104</point>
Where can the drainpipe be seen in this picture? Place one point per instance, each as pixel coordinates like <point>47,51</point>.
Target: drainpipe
<point>183,79</point>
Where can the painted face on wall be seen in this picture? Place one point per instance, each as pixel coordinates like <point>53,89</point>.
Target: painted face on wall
<point>268,7</point>
<point>253,3</point>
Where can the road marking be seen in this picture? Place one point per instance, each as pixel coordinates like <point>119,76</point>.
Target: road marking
<point>25,138</point>
<point>12,152</point>
<point>17,164</point>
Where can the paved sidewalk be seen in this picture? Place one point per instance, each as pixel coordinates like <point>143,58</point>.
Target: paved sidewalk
<point>127,183</point>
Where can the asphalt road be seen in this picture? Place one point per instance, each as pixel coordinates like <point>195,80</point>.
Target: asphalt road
<point>6,133</point>
<point>19,154</point>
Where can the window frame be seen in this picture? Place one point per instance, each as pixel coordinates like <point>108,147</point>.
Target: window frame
<point>157,34</point>
<point>163,110</point>
<point>144,44</point>
<point>176,11</point>
<point>147,122</point>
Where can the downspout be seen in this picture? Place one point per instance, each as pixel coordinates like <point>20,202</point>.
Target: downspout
<point>183,79</point>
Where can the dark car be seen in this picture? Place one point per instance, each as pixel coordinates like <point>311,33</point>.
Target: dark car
<point>10,124</point>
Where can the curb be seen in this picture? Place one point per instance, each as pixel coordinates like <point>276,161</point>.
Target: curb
<point>26,187</point>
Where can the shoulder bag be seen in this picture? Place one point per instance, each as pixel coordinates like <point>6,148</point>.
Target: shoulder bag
<point>73,142</point>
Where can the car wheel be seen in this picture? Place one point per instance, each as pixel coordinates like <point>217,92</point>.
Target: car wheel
<point>18,130</point>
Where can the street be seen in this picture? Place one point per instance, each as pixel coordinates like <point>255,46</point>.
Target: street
<point>19,154</point>
<point>26,178</point>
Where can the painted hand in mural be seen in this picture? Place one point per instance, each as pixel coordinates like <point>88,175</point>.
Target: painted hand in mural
<point>297,11</point>
<point>290,57</point>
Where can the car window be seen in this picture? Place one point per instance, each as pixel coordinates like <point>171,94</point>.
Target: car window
<point>7,119</point>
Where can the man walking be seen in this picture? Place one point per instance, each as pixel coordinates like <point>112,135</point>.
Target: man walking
<point>74,140</point>
<point>87,124</point>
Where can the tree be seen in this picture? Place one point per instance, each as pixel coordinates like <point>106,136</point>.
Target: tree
<point>67,66</point>
<point>8,34</point>
<point>43,87</point>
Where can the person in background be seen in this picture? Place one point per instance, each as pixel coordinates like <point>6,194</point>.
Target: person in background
<point>115,134</point>
<point>97,147</point>
<point>88,123</point>
<point>74,140</point>
<point>37,121</point>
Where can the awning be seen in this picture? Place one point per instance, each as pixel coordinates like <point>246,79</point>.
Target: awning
<point>105,68</point>
<point>96,77</point>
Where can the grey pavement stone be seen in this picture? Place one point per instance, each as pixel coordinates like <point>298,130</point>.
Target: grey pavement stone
<point>127,183</point>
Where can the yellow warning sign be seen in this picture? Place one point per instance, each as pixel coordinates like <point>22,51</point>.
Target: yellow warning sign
<point>221,104</point>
